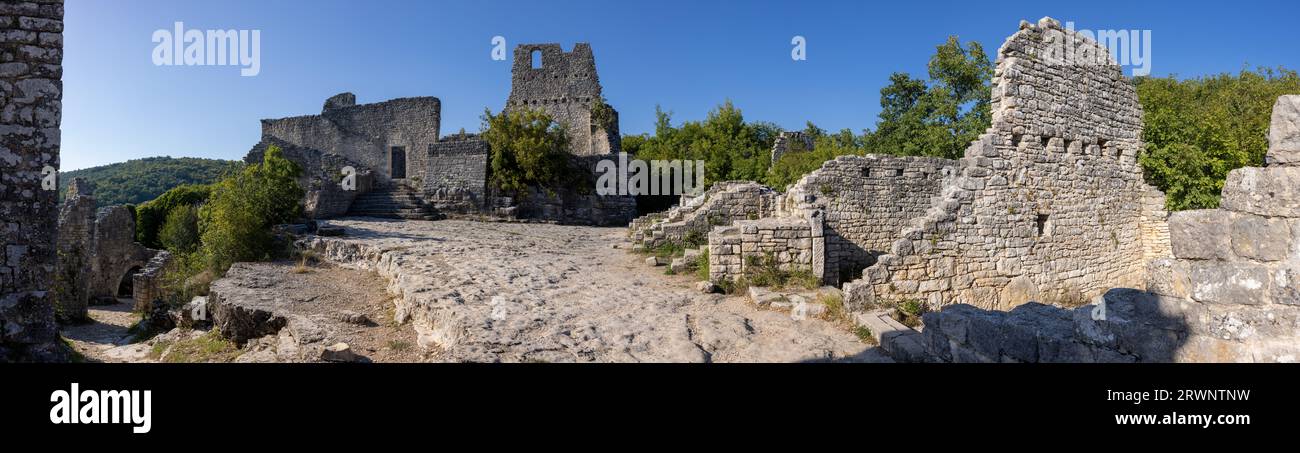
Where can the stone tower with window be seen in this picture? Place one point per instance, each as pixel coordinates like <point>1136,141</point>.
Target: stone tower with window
<point>565,86</point>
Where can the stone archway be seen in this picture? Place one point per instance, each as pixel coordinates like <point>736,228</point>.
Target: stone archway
<point>126,287</point>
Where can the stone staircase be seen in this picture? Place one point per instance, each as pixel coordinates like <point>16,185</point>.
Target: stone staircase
<point>392,202</point>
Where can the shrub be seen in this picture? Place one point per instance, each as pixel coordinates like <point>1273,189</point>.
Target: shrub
<point>235,224</point>
<point>150,216</point>
<point>180,233</point>
<point>766,271</point>
<point>528,149</point>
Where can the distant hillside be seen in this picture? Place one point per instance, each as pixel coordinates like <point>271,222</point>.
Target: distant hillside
<point>141,180</point>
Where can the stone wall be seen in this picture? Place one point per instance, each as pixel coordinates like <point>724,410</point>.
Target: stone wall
<point>788,142</point>
<point>565,86</point>
<point>724,203</point>
<point>867,202</point>
<point>366,134</point>
<point>1047,205</point>
<point>31,92</point>
<point>115,256</point>
<point>149,284</point>
<point>457,174</point>
<point>76,235</point>
<point>792,243</point>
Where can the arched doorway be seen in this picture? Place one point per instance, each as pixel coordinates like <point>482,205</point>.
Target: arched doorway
<point>126,288</point>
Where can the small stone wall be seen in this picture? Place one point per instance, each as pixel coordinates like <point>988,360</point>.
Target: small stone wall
<point>456,179</point>
<point>794,244</point>
<point>724,203</point>
<point>148,285</point>
<point>868,201</point>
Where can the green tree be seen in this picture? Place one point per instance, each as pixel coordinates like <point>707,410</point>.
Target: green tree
<point>149,217</point>
<point>1197,130</point>
<point>730,147</point>
<point>235,223</point>
<point>528,149</point>
<point>180,232</point>
<point>941,116</point>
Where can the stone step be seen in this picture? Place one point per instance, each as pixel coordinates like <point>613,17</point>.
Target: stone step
<point>899,341</point>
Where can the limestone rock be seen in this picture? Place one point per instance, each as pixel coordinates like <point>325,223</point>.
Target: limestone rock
<point>1260,238</point>
<point>1201,234</point>
<point>339,352</point>
<point>1270,191</point>
<point>706,287</point>
<point>1235,283</point>
<point>1284,132</point>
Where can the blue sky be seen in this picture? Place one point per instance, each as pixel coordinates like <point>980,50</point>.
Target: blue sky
<point>687,56</point>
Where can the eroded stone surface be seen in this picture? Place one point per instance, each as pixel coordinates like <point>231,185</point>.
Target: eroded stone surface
<point>516,292</point>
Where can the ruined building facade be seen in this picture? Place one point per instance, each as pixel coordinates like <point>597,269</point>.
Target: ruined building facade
<point>405,168</point>
<point>565,86</point>
<point>1048,204</point>
<point>31,87</point>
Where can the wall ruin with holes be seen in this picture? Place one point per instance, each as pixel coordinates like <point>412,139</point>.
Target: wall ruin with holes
<point>1049,204</point>
<point>565,86</point>
<point>867,202</point>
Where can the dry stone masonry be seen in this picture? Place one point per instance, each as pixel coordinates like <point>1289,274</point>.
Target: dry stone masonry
<point>565,86</point>
<point>1049,204</point>
<point>98,258</point>
<point>31,88</point>
<point>406,170</point>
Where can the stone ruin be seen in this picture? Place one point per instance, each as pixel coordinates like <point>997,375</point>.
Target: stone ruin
<point>790,142</point>
<point>405,169</point>
<point>31,87</point>
<point>1049,205</point>
<point>98,258</point>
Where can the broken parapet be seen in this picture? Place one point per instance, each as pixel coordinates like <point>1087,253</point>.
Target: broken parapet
<point>1049,203</point>
<point>724,203</point>
<point>149,286</point>
<point>76,231</point>
<point>1240,264</point>
<point>790,142</point>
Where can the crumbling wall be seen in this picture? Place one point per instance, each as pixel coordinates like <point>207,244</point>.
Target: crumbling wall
<point>790,142</point>
<point>31,88</point>
<point>722,204</point>
<point>565,86</point>
<point>868,202</point>
<point>1047,205</point>
<point>149,284</point>
<point>790,243</point>
<point>1238,266</point>
<point>457,174</point>
<point>76,235</point>
<point>115,254</point>
<point>367,133</point>
<point>321,177</point>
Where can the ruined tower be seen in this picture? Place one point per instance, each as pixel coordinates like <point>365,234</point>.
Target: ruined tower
<point>565,86</point>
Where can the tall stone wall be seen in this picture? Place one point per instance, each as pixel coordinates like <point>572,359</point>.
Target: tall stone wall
<point>31,93</point>
<point>76,236</point>
<point>367,133</point>
<point>565,86</point>
<point>1047,204</point>
<point>115,254</point>
<point>868,202</point>
<point>457,174</point>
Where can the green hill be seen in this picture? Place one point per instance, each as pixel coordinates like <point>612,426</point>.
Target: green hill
<point>141,180</point>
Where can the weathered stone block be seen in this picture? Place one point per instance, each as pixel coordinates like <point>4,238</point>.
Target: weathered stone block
<point>1271,191</point>
<point>1284,132</point>
<point>1200,234</point>
<point>1241,282</point>
<point>1260,238</point>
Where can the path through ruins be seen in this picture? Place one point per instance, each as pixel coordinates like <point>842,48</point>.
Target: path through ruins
<point>550,293</point>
